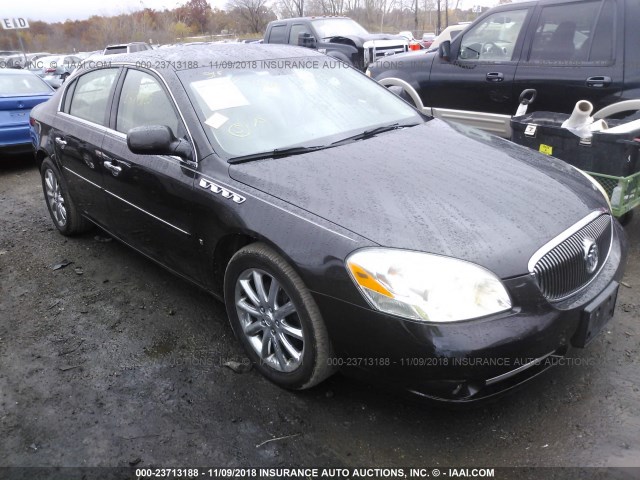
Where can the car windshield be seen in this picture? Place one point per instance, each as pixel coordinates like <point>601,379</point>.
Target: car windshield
<point>20,84</point>
<point>307,102</point>
<point>338,27</point>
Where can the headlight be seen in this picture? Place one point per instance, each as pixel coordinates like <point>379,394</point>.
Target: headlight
<point>426,287</point>
<point>596,184</point>
<point>368,73</point>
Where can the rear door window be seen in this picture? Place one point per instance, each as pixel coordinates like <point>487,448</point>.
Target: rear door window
<point>90,98</point>
<point>574,33</point>
<point>278,34</point>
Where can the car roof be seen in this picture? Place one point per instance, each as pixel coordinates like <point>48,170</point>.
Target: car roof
<point>16,71</point>
<point>311,19</point>
<point>113,45</point>
<point>53,57</point>
<point>183,57</point>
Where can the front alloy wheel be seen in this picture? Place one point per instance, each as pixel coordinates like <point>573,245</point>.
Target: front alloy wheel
<point>269,320</point>
<point>277,320</point>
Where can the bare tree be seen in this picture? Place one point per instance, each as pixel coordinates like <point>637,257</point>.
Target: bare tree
<point>254,13</point>
<point>290,8</point>
<point>196,13</point>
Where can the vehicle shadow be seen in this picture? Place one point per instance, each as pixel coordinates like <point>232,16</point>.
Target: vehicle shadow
<point>16,163</point>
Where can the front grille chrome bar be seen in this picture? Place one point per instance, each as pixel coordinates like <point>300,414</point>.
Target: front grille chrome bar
<point>560,266</point>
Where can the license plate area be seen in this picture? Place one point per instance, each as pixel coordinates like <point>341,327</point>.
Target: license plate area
<point>595,316</point>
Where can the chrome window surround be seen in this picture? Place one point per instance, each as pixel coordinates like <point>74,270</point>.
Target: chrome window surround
<point>120,134</point>
<point>547,247</point>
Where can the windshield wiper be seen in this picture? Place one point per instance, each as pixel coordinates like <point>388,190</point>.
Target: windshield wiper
<point>276,153</point>
<point>373,132</point>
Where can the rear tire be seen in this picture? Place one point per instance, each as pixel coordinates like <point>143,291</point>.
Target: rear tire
<point>276,319</point>
<point>62,208</point>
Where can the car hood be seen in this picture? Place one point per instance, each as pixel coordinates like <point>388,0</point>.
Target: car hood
<point>438,188</point>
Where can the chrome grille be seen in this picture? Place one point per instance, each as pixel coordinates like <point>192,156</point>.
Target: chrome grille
<point>560,267</point>
<point>381,52</point>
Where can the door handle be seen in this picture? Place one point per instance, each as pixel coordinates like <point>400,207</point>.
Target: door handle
<point>61,142</point>
<point>495,77</point>
<point>114,169</point>
<point>598,82</point>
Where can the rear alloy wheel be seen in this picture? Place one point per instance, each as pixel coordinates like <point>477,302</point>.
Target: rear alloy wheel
<point>64,214</point>
<point>276,319</point>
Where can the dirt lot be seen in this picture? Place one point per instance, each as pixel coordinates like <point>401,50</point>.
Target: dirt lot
<point>112,361</point>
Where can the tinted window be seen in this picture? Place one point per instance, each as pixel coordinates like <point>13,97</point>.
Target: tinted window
<point>494,38</point>
<point>91,95</point>
<point>601,49</point>
<point>296,30</point>
<point>144,102</point>
<point>114,50</point>
<point>574,32</point>
<point>278,34</point>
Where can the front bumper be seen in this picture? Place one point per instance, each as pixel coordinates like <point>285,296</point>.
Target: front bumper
<point>471,360</point>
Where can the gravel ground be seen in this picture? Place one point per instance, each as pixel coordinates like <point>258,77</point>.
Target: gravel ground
<point>112,361</point>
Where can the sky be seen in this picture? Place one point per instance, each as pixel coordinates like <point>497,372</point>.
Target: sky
<point>61,10</point>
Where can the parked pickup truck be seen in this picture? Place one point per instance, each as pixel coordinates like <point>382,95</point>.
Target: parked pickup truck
<point>568,50</point>
<point>338,37</point>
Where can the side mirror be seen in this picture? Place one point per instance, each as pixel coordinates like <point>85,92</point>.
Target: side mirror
<point>157,140</point>
<point>444,50</point>
<point>306,40</point>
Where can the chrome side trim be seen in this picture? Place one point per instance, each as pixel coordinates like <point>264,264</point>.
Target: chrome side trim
<point>144,211</point>
<point>516,371</point>
<point>109,130</point>
<point>125,201</point>
<point>308,220</point>
<point>554,242</point>
<point>173,98</point>
<point>97,126</point>
<point>81,177</point>
<point>495,123</point>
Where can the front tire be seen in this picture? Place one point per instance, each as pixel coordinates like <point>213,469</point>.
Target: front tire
<point>276,319</point>
<point>62,209</point>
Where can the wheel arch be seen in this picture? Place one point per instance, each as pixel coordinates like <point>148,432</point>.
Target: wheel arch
<point>406,86</point>
<point>340,56</point>
<point>233,242</point>
<point>40,156</point>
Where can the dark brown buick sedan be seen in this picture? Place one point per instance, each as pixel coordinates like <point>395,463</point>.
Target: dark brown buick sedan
<point>342,228</point>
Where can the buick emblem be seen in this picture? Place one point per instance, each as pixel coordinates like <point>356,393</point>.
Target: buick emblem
<point>590,255</point>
